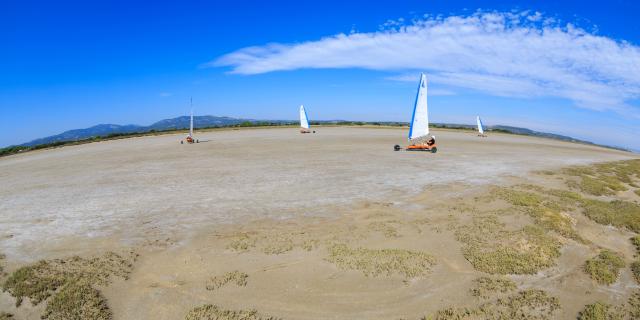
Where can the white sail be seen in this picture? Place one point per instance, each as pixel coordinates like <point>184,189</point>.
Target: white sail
<point>420,118</point>
<point>304,121</point>
<point>480,126</point>
<point>191,125</point>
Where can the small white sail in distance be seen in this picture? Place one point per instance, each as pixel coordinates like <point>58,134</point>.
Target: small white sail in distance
<point>480,126</point>
<point>304,121</point>
<point>191,125</point>
<point>420,118</point>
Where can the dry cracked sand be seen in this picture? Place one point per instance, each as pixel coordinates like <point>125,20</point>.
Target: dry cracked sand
<point>332,225</point>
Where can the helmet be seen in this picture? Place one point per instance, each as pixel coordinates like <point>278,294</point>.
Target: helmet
<point>433,137</point>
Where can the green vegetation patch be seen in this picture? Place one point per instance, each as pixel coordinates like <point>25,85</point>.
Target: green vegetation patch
<point>546,211</point>
<point>6,316</point>
<point>633,305</point>
<point>2,257</point>
<point>386,228</point>
<point>637,192</point>
<point>242,242</point>
<point>486,287</point>
<point>605,267</point>
<point>490,248</point>
<point>600,311</point>
<point>601,186</point>
<point>617,213</point>
<point>77,300</point>
<point>635,270</point>
<point>213,312</point>
<point>529,304</point>
<point>273,242</point>
<point>604,178</point>
<point>237,277</point>
<point>376,262</point>
<point>636,243</point>
<point>277,244</point>
<point>40,280</point>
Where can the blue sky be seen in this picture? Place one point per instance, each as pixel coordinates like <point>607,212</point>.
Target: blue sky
<point>570,67</point>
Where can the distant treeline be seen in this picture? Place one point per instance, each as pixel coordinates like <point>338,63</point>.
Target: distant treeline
<point>23,148</point>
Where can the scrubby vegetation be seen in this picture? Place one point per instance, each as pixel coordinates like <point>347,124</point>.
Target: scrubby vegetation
<point>528,304</point>
<point>77,300</point>
<point>2,257</point>
<point>69,285</point>
<point>385,228</point>
<point>6,316</point>
<point>39,281</point>
<point>277,244</point>
<point>213,312</point>
<point>486,287</point>
<point>605,267</point>
<point>617,213</point>
<point>237,277</point>
<point>374,262</point>
<point>604,178</point>
<point>600,311</point>
<point>490,248</point>
<point>546,212</point>
<point>604,311</point>
<point>242,242</point>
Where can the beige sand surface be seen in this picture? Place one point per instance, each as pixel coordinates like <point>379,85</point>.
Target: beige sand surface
<point>182,206</point>
<point>153,185</point>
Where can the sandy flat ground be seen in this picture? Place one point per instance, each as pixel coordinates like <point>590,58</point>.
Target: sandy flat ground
<point>135,186</point>
<point>183,204</point>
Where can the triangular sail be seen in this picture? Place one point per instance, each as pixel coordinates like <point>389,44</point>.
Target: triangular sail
<point>304,121</point>
<point>420,118</point>
<point>191,125</point>
<point>480,126</point>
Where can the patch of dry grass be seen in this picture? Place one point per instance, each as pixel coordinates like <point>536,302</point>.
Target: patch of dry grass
<point>213,312</point>
<point>633,305</point>
<point>273,242</point>
<point>529,304</point>
<point>242,242</point>
<point>6,316</point>
<point>237,277</point>
<point>2,257</point>
<point>385,227</point>
<point>546,211</point>
<point>604,178</point>
<point>40,280</point>
<point>617,213</point>
<point>635,270</point>
<point>376,262</point>
<point>490,248</point>
<point>487,287</point>
<point>604,311</point>
<point>605,267</point>
<point>600,311</point>
<point>77,300</point>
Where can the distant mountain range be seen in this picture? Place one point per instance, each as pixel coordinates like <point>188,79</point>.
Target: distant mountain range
<point>105,130</point>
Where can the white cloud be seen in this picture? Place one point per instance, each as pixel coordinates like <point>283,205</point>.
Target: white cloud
<point>513,54</point>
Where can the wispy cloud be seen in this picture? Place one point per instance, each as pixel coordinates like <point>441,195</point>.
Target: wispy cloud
<point>166,94</point>
<point>509,54</point>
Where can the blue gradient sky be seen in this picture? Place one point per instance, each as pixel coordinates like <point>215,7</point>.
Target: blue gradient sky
<point>67,65</point>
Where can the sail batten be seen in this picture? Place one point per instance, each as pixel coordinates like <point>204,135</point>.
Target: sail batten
<point>304,120</point>
<point>420,118</point>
